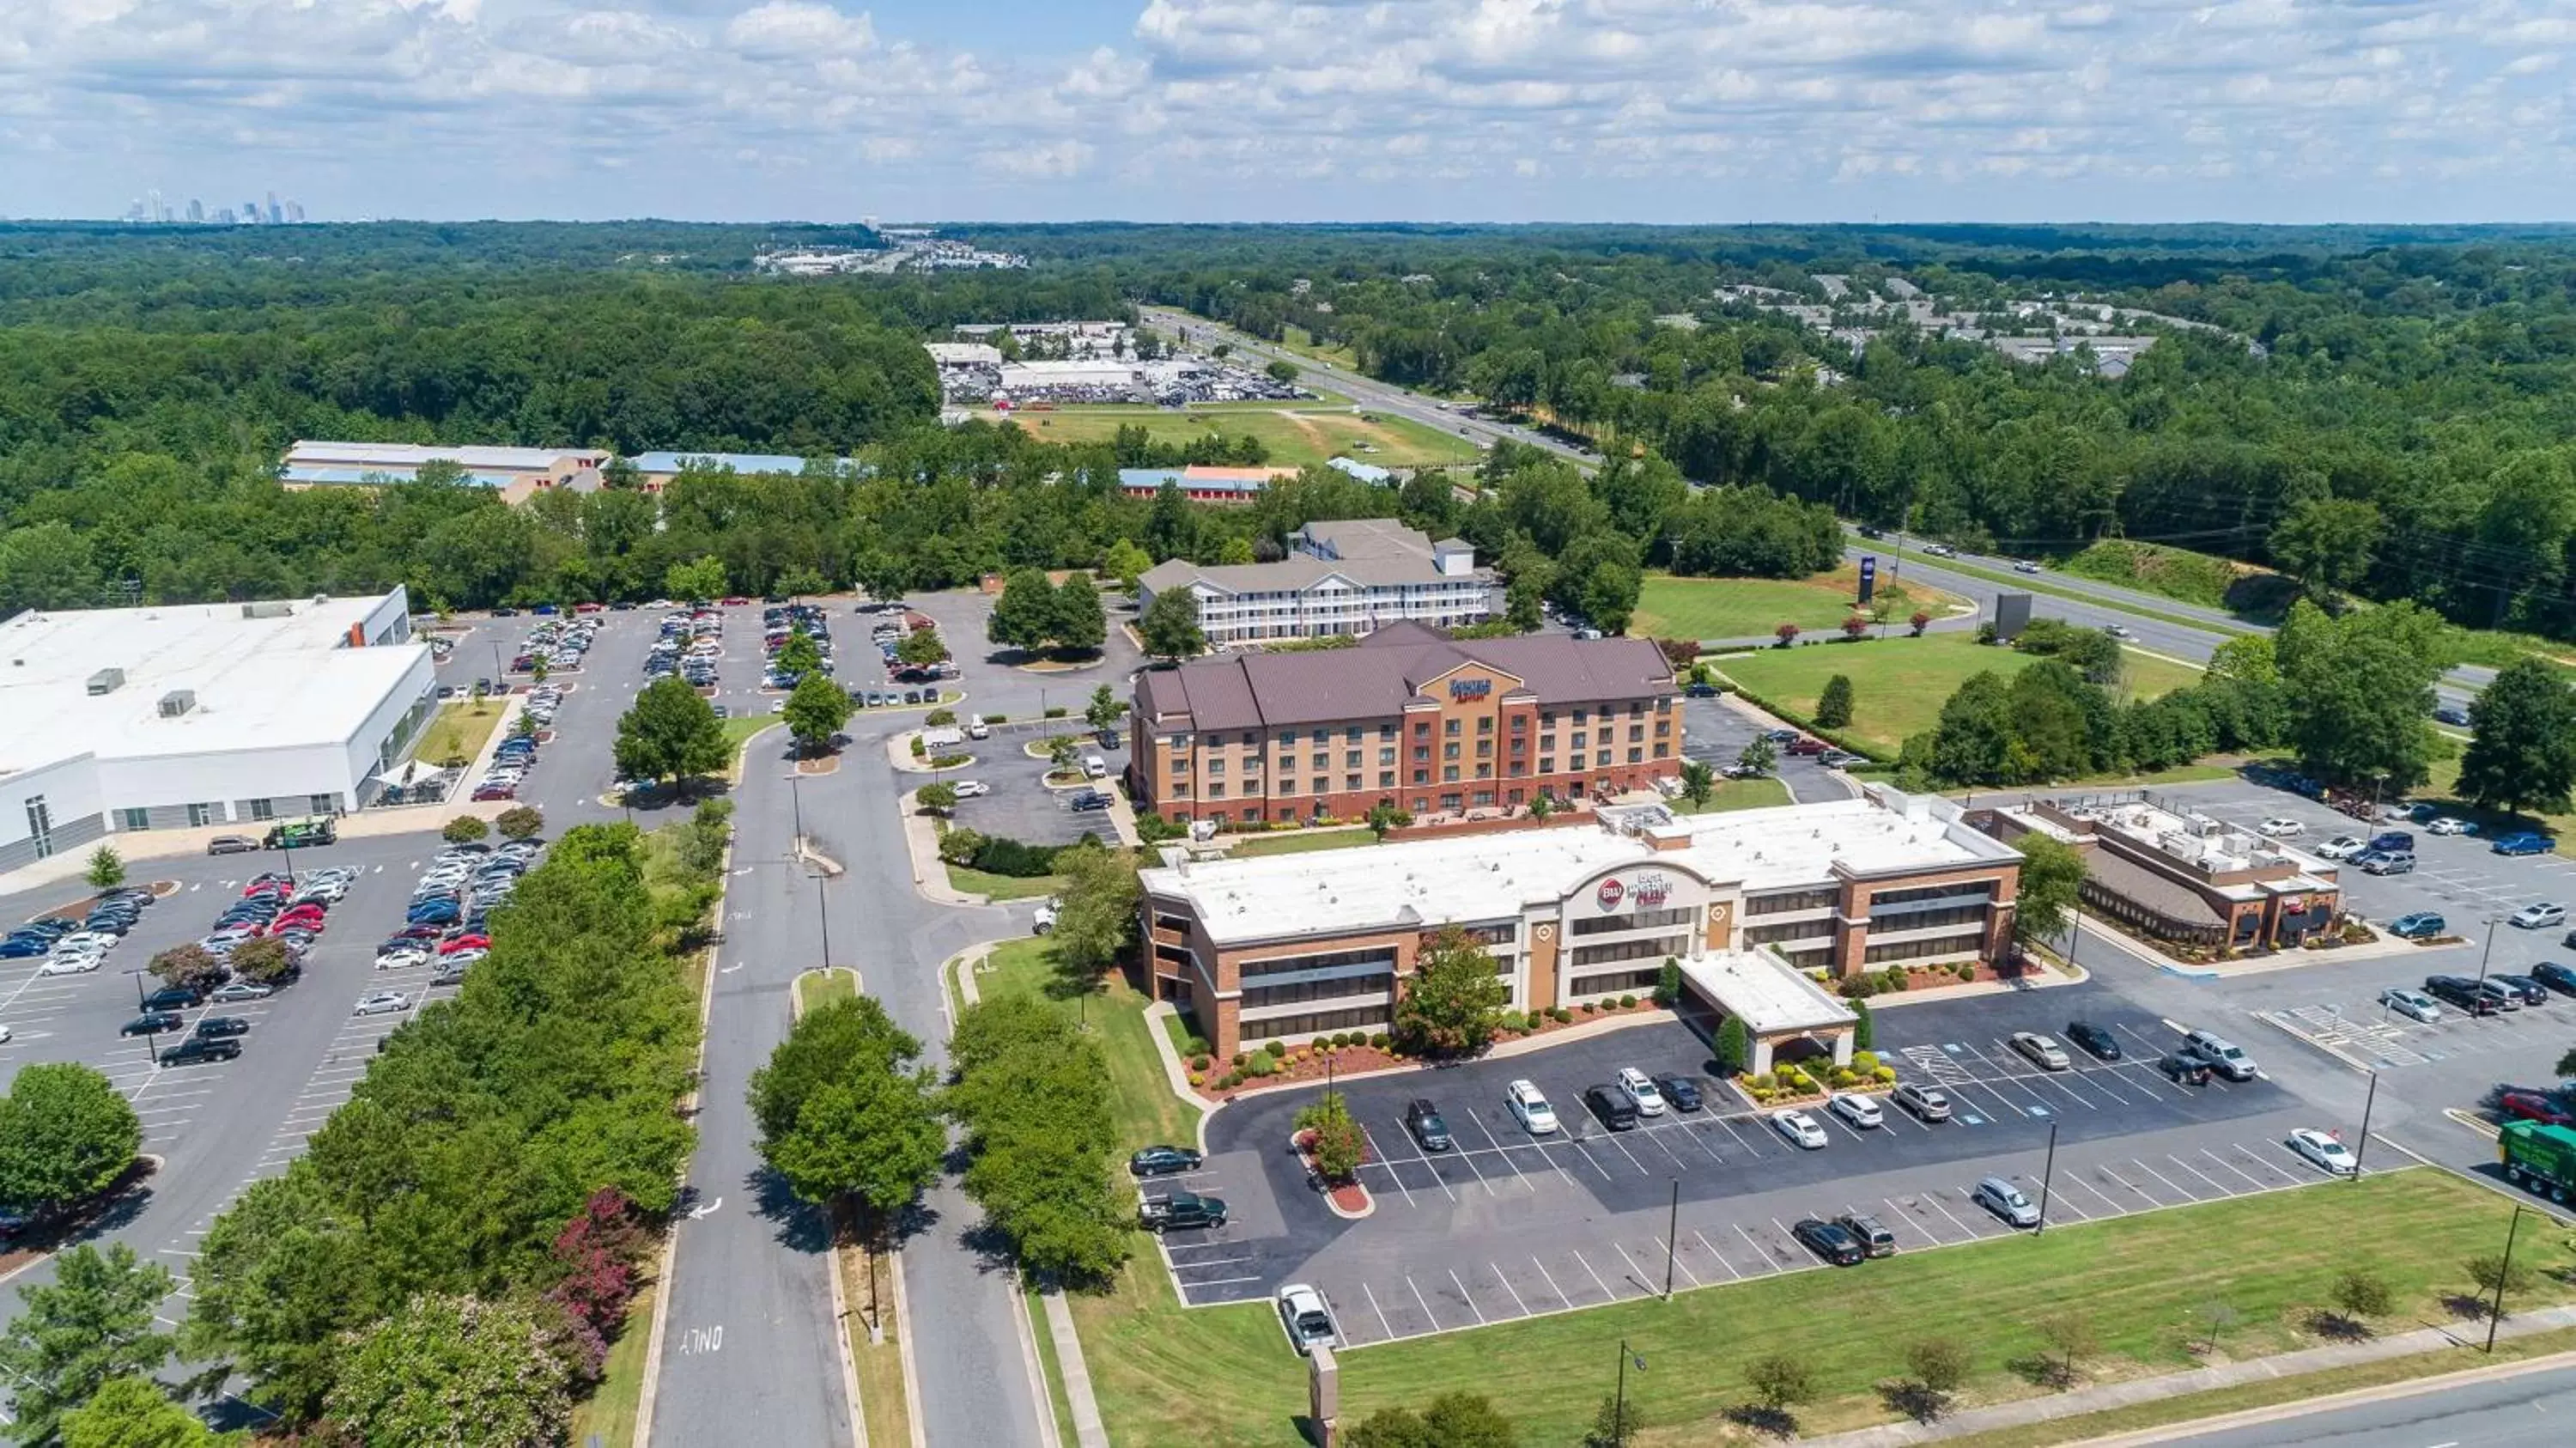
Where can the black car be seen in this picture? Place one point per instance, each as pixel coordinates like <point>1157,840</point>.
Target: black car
<point>1680,1092</point>
<point>171,998</point>
<point>1701,691</point>
<point>2188,1068</point>
<point>1833,1243</point>
<point>200,1048</point>
<point>1182,1211</point>
<point>1164,1161</point>
<point>1612,1106</point>
<point>151,1023</point>
<point>505,613</point>
<point>215,1028</point>
<point>2094,1038</point>
<point>2532,992</point>
<point>1423,1120</point>
<point>2555,976</point>
<point>2461,992</point>
<point>1090,799</point>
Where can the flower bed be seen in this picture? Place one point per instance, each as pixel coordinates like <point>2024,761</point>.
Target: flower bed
<point>1806,1083</point>
<point>1349,1198</point>
<point>1349,1053</point>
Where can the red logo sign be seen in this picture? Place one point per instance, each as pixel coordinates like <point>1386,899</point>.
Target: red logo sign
<point>1612,892</point>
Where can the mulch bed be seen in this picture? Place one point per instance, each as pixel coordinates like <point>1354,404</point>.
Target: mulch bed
<point>1349,1197</point>
<point>825,765</point>
<point>1303,1063</point>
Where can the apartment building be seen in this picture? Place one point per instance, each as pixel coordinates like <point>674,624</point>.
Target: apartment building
<point>1351,576</point>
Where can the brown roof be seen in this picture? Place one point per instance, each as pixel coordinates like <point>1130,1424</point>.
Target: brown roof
<point>2141,886</point>
<point>1376,678</point>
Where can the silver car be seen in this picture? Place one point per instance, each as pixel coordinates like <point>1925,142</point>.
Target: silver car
<point>2006,1201</point>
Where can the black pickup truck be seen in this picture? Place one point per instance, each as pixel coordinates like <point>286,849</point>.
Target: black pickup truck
<point>1183,1210</point>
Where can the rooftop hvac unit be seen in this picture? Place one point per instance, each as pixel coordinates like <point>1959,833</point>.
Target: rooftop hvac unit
<point>268,610</point>
<point>178,702</point>
<point>106,681</point>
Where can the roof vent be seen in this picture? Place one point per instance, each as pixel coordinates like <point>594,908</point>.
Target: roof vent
<point>178,702</point>
<point>105,681</point>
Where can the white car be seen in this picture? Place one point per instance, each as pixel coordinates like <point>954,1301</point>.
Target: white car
<point>4,1035</point>
<point>972,789</point>
<point>2539,917</point>
<point>242,990</point>
<point>2044,1053</point>
<point>2282,827</point>
<point>383,1002</point>
<point>1307,1320</point>
<point>85,940</point>
<point>2342,847</point>
<point>1860,1111</point>
<point>1641,1091</point>
<point>1529,1107</point>
<point>71,964</point>
<point>1047,910</point>
<point>2450,825</point>
<point>401,959</point>
<point>2412,1004</point>
<point>2323,1150</point>
<point>1800,1128</point>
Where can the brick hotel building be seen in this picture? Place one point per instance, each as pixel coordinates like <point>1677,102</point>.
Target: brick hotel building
<point>1407,717</point>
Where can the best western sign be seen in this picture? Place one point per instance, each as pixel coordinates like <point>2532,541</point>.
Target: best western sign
<point>1647,890</point>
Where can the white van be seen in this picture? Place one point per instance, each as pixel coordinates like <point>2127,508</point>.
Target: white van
<point>1095,767</point>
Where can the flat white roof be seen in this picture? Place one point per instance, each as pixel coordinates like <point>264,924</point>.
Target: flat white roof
<point>1491,876</point>
<point>413,455</point>
<point>1765,992</point>
<point>260,682</point>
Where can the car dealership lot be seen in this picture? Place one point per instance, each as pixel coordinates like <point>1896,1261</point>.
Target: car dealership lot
<point>1506,1225</point>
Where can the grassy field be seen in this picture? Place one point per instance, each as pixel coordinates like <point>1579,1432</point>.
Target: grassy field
<point>1296,842</point>
<point>609,1413</point>
<point>1150,1112</point>
<point>458,730</point>
<point>1002,887</point>
<point>1899,684</point>
<point>813,989</point>
<point>1734,794</point>
<point>1294,434</point>
<point>1743,608</point>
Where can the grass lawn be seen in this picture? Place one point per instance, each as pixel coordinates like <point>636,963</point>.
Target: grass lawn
<point>882,1405</point>
<point>1002,887</point>
<point>1149,1112</point>
<point>815,990</point>
<point>1743,608</point>
<point>609,1412</point>
<point>1294,434</point>
<point>458,730</point>
<point>1900,684</point>
<point>1296,842</point>
<point>1064,1429</point>
<point>1733,794</point>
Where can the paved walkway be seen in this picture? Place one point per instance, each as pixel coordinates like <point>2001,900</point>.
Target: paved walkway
<point>2200,1380</point>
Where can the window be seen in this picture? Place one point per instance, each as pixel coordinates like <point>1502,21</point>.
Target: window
<point>1251,740</point>
<point>1449,727</point>
<point>1546,765</point>
<point>1484,798</point>
<point>1422,754</point>
<point>134,819</point>
<point>1216,791</point>
<point>1349,736</point>
<point>1448,751</point>
<point>1313,1023</point>
<point>1663,750</point>
<point>1385,779</point>
<point>1794,930</point>
<point>1580,739</point>
<point>1178,923</point>
<point>1484,749</point>
<point>1601,760</point>
<point>1636,756</point>
<point>1421,776</point>
<point>1636,733</point>
<point>1352,963</point>
<point>1288,786</point>
<point>1287,738</point>
<point>1917,949</point>
<point>1792,900</point>
<point>1384,756</point>
<point>1617,982</point>
<point>1449,802</point>
<point>1352,781</point>
<point>1973,890</point>
<point>1503,934</point>
<point>1547,719</point>
<point>40,824</point>
<point>1448,774</point>
<point>1485,724</point>
<point>1216,766</point>
<point>1350,759</point>
<point>1922,919</point>
<point>1581,715</point>
<point>325,803</point>
<point>261,810</point>
<point>1422,730</point>
<point>1655,947</point>
<point>1337,988</point>
<point>200,815</point>
<point>1634,920</point>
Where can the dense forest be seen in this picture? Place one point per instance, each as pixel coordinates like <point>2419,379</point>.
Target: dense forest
<point>2400,424</point>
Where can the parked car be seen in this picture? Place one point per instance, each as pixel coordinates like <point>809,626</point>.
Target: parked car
<point>1830,1241</point>
<point>151,1023</point>
<point>2006,1201</point>
<point>1681,1091</point>
<point>1928,1103</point>
<point>2224,1056</point>
<point>234,991</point>
<point>1641,1091</point>
<point>2462,992</point>
<point>200,1048</point>
<point>1089,799</point>
<point>2187,1068</point>
<point>2324,1150</point>
<point>2384,862</point>
<point>2505,997</point>
<point>220,1026</point>
<point>1611,1107</point>
<point>2451,825</point>
<point>2024,565</point>
<point>2525,842</point>
<point>1530,1107</point>
<point>1183,1211</point>
<point>2341,847</point>
<point>972,789</point>
<point>2282,827</point>
<point>2393,842</point>
<point>2419,925</point>
<point>2531,992</point>
<point>2540,916</point>
<point>1303,1313</point>
<point>2557,977</point>
<point>232,845</point>
<point>1875,1238</point>
<point>1799,1128</point>
<point>2533,1106</point>
<point>1156,1161</point>
<point>2095,1039</point>
<point>383,1002</point>
<point>1861,1111</point>
<point>172,998</point>
<point>2414,1005</point>
<point>1423,1120</point>
<point>1045,918</point>
<point>2042,1052</point>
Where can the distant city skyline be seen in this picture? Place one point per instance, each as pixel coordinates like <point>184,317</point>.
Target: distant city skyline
<point>1478,110</point>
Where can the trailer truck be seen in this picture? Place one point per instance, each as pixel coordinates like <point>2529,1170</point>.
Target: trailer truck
<point>2538,1158</point>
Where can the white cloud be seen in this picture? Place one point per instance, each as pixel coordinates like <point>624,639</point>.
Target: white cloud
<point>1654,109</point>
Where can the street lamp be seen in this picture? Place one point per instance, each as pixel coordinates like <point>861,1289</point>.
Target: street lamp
<point>2504,1269</point>
<point>1619,1405</point>
<point>2362,1145</point>
<point>2486,955</point>
<point>2047,1174</point>
<point>822,903</point>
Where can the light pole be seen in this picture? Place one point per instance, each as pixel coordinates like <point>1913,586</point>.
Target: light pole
<point>2047,1174</point>
<point>2362,1145</point>
<point>1619,1405</point>
<point>1672,1231</point>
<point>2504,1269</point>
<point>822,904</point>
<point>2486,955</point>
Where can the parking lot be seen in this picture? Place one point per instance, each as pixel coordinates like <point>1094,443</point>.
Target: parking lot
<point>1021,806</point>
<point>1507,1225</point>
<point>1714,732</point>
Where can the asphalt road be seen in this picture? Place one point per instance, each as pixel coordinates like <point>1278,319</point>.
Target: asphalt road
<point>2532,1410</point>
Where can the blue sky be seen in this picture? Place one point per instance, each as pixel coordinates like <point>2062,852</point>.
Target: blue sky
<point>1489,110</point>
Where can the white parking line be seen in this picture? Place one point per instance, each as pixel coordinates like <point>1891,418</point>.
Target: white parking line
<point>1550,1279</point>
<point>2195,1171</point>
<point>1391,1162</point>
<point>2231,1166</point>
<point>1720,1256</point>
<point>2268,1166</point>
<point>1420,1301</point>
<point>1382,1324</point>
<point>1470,1297</point>
<point>2076,1178</point>
<point>1606,1294</point>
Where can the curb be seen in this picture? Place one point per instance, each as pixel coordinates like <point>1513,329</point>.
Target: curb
<point>840,1299</point>
<point>2389,1392</point>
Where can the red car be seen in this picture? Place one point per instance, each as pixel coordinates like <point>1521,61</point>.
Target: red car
<point>496,791</point>
<point>735,601</point>
<point>1804,746</point>
<point>464,942</point>
<point>588,607</point>
<point>309,919</point>
<point>2532,1106</point>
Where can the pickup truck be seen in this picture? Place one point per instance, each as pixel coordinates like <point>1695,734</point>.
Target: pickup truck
<point>1183,1210</point>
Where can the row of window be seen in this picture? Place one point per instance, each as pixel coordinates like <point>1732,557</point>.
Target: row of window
<point>1976,889</point>
<point>1449,774</point>
<point>1653,947</point>
<point>1337,988</point>
<point>1786,901</point>
<point>1354,733</point>
<point>1917,949</point>
<point>1313,1023</point>
<point>1617,982</point>
<point>1633,920</point>
<point>202,815</point>
<point>1326,960</point>
<point>1926,919</point>
<point>1794,930</point>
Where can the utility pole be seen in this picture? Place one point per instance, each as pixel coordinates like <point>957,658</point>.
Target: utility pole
<point>2495,1312</point>
<point>1619,1405</point>
<point>2362,1145</point>
<point>1672,1230</point>
<point>2047,1174</point>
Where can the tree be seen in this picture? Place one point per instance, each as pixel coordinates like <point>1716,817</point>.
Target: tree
<point>2360,1294</point>
<point>93,1323</point>
<point>939,798</point>
<point>1282,370</point>
<point>464,830</point>
<point>537,670</point>
<point>1781,1381</point>
<point>189,967</point>
<point>2327,543</point>
<point>1034,1097</point>
<point>1787,634</point>
<point>1857,625</point>
<point>2072,1334</point>
<point>1614,1425</point>
<point>1126,562</point>
<point>2247,658</point>
<point>1335,1141</point>
<point>2491,1273</point>
<point>447,1369</point>
<point>2522,746</point>
<point>1453,1002</point>
<point>134,1412</point>
<point>1734,1049</point>
<point>1170,626</point>
<point>921,648</point>
<point>1940,1364</point>
<point>1834,706</point>
<point>1098,917</point>
<point>872,1133</point>
<point>1699,782</point>
<point>824,1043</point>
<point>1452,1420</point>
<point>1234,552</point>
<point>1080,624</point>
<point>2052,882</point>
<point>520,822</point>
<point>1384,819</point>
<point>1024,617</point>
<point>264,961</point>
<point>1541,805</point>
<point>1759,755</point>
<point>669,732</point>
<point>1919,622</point>
<point>1105,709</point>
<point>816,710</point>
<point>799,656</point>
<point>702,579</point>
<point>106,868</point>
<point>1864,1027</point>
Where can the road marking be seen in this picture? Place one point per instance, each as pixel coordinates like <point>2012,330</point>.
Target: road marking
<point>2195,1171</point>
<point>1606,1294</point>
<point>1469,1297</point>
<point>1382,1324</point>
<point>1423,1303</point>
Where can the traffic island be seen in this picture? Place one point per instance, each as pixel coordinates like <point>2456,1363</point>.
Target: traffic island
<point>1348,1199</point>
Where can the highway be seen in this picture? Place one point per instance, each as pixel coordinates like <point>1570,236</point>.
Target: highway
<point>2531,1410</point>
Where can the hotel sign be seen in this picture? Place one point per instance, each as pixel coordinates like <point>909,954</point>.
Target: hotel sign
<point>1464,689</point>
<point>1649,891</point>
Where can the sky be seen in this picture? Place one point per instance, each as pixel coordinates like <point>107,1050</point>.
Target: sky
<point>1297,110</point>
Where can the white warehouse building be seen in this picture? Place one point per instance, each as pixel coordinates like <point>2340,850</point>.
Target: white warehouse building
<point>188,715</point>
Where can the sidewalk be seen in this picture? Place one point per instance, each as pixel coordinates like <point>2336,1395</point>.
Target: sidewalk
<point>921,842</point>
<point>2094,1399</point>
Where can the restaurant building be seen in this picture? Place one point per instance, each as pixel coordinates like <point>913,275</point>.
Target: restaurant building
<point>2181,876</point>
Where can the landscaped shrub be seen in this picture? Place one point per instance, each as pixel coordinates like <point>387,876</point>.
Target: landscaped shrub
<point>1765,1082</point>
<point>1196,1046</point>
<point>1559,1014</point>
<point>992,718</point>
<point>1017,859</point>
<point>1276,1048</point>
<point>1894,978</point>
<point>1967,969</point>
<point>1262,1066</point>
<point>1229,1080</point>
<point>937,717</point>
<point>1858,987</point>
<point>1058,712</point>
<point>917,749</point>
<point>1865,1062</point>
<point>951,761</point>
<point>1238,1059</point>
<point>1378,1039</point>
<point>1884,1075</point>
<point>1320,1044</point>
<point>1198,1063</point>
<point>1196,1079</point>
<point>1627,1002</point>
